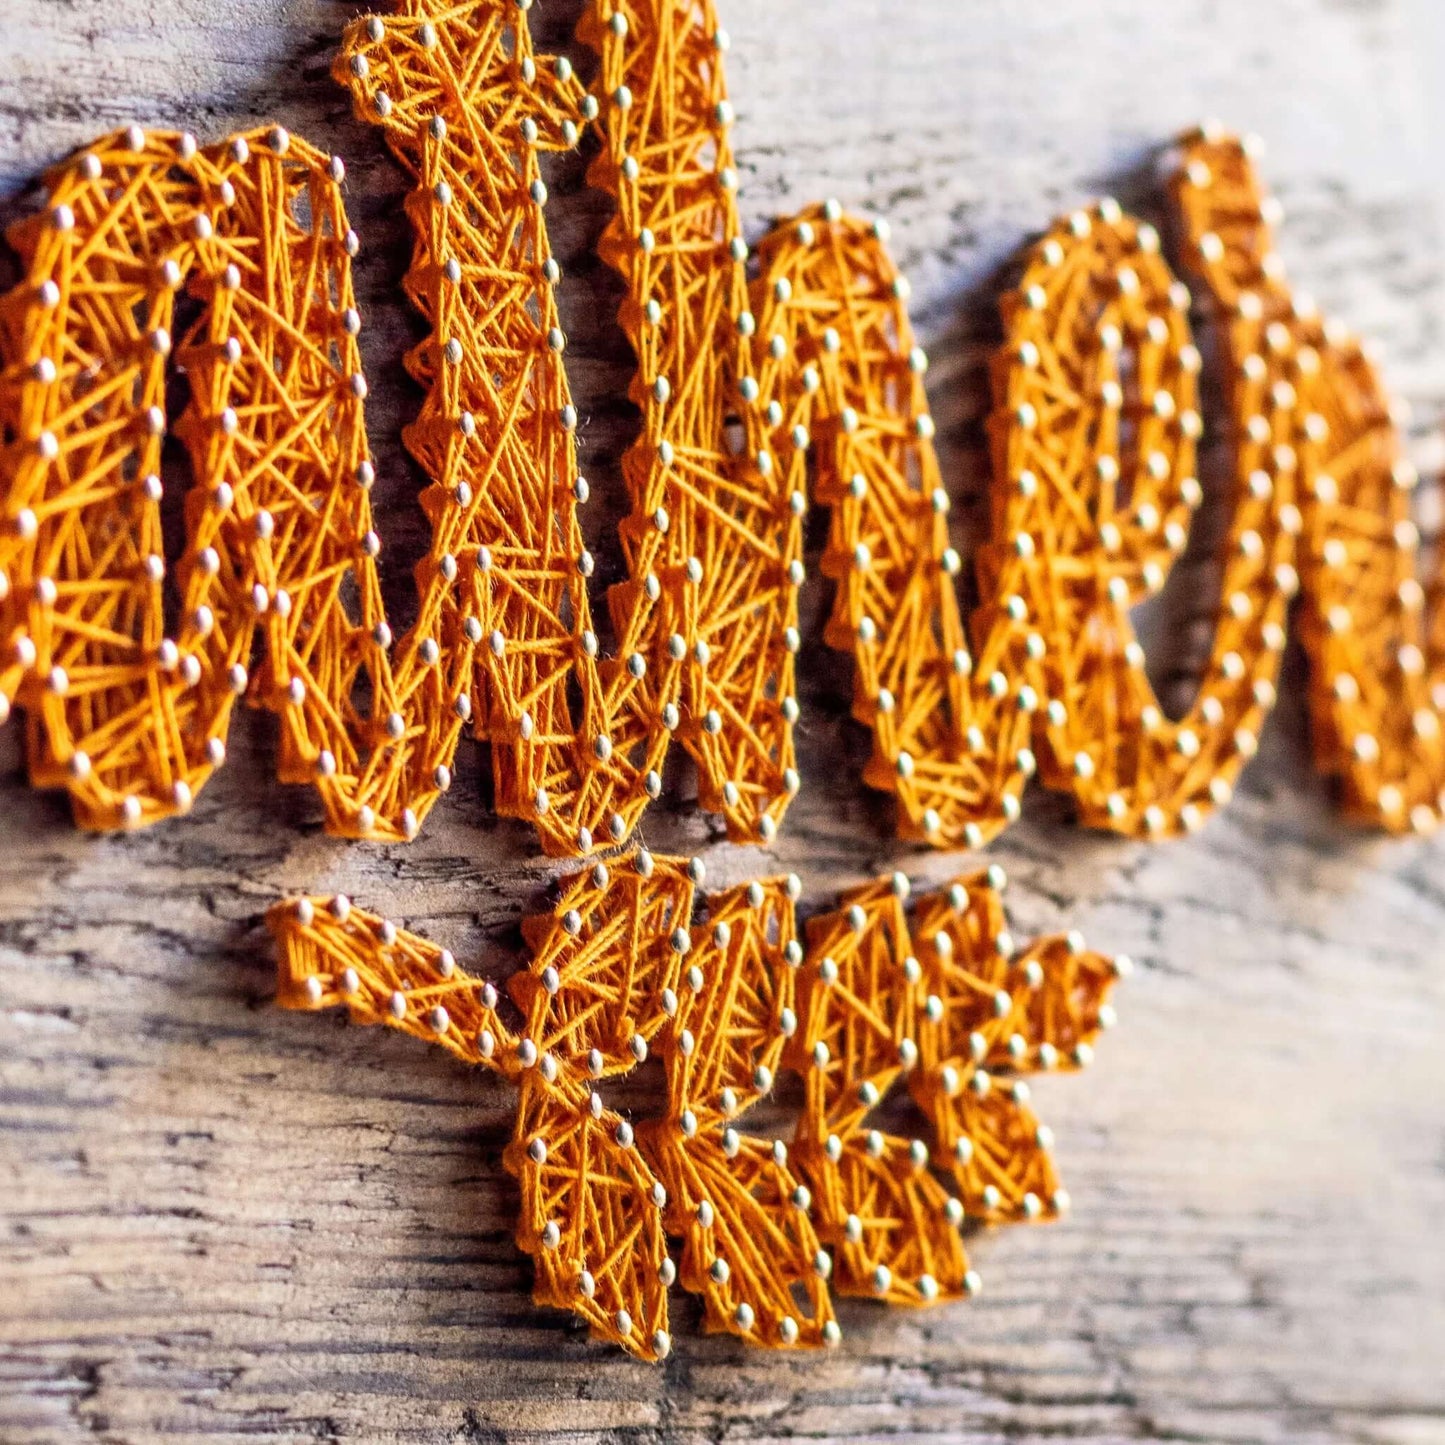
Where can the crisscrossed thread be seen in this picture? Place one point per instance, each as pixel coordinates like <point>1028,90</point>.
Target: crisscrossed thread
<point>1374,634</point>
<point>769,1229</point>
<point>132,721</point>
<point>1097,402</point>
<point>1094,441</point>
<point>704,625</point>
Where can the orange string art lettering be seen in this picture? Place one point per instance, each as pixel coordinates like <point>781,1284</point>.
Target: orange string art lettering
<point>1095,434</point>
<point>753,372</point>
<point>279,532</point>
<point>1095,439</point>
<point>939,1004</point>
<point>1373,633</point>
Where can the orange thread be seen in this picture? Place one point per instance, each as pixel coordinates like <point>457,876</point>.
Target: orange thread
<point>942,1005</point>
<point>1095,433</point>
<point>280,536</point>
<point>131,721</point>
<point>620,971</point>
<point>1094,439</point>
<point>1374,635</point>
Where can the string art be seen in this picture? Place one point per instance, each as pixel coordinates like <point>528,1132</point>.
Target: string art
<point>1095,435</point>
<point>1374,635</point>
<point>760,377</point>
<point>937,1006</point>
<point>279,530</point>
<point>742,386</point>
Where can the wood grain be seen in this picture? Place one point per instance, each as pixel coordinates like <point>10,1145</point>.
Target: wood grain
<point>222,1222</point>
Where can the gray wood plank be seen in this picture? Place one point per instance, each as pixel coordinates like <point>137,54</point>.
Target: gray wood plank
<point>225,1222</point>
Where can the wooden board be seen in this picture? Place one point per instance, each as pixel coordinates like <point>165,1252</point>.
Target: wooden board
<point>224,1222</point>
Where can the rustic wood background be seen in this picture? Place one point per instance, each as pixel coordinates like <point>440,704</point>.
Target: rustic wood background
<point>219,1221</point>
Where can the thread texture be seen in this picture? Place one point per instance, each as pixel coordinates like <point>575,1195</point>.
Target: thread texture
<point>635,962</point>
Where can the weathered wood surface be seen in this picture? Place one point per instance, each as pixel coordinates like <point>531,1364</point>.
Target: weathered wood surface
<point>221,1221</point>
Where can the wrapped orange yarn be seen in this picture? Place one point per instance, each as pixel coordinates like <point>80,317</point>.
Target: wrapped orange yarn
<point>279,535</point>
<point>1094,441</point>
<point>1095,435</point>
<point>745,377</point>
<point>939,1002</point>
